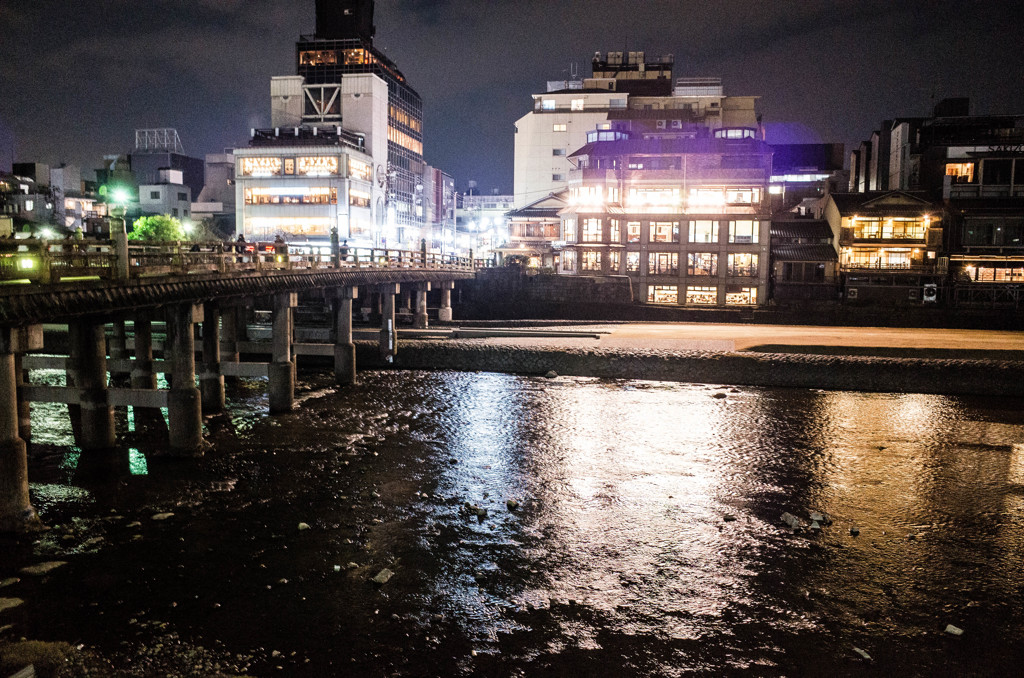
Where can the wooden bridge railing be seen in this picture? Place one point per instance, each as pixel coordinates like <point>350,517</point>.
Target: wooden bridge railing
<point>43,261</point>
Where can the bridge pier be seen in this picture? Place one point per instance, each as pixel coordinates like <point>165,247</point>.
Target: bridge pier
<point>117,347</point>
<point>388,332</point>
<point>16,511</point>
<point>444,314</point>
<point>24,406</point>
<point>282,367</point>
<point>420,320</point>
<point>87,370</point>
<point>211,381</point>
<point>344,349</point>
<point>143,376</point>
<point>229,335</point>
<point>184,409</point>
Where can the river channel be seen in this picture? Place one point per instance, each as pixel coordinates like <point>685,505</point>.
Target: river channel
<point>538,527</point>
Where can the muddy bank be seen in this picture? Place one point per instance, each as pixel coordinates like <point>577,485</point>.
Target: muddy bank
<point>844,373</point>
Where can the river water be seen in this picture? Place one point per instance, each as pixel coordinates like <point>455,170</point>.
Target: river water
<point>647,538</point>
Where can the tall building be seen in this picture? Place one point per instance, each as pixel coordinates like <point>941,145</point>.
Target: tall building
<point>343,46</point>
<point>627,91</point>
<point>687,219</point>
<point>161,149</point>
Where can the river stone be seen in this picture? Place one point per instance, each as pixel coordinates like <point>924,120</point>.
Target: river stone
<point>11,581</point>
<point>864,655</point>
<point>954,630</point>
<point>383,576</point>
<point>8,603</point>
<point>163,516</point>
<point>551,374</point>
<point>303,527</point>
<point>42,568</point>
<point>791,520</point>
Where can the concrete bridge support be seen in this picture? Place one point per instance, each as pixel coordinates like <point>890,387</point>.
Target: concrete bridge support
<point>282,366</point>
<point>117,347</point>
<point>211,381</point>
<point>388,331</point>
<point>420,320</point>
<point>184,413</point>
<point>87,370</point>
<point>229,334</point>
<point>24,407</point>
<point>16,512</point>
<point>344,349</point>
<point>444,314</point>
<point>143,376</point>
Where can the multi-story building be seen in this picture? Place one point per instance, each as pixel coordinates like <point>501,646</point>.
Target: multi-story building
<point>687,219</point>
<point>535,230</point>
<point>628,91</point>
<point>160,149</point>
<point>343,46</point>
<point>303,182</point>
<point>167,195</point>
<point>482,223</point>
<point>890,245</point>
<point>439,200</point>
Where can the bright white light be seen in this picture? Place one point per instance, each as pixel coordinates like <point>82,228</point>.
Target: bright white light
<point>187,226</point>
<point>46,233</point>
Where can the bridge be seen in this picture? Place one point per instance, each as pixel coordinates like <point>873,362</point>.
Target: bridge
<point>94,284</point>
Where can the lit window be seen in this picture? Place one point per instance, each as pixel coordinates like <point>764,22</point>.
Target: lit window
<point>559,127</point>
<point>664,231</point>
<point>592,230</point>
<point>591,261</point>
<point>742,265</point>
<point>663,294</point>
<point>614,260</point>
<point>742,196</point>
<point>568,262</point>
<point>547,104</point>
<point>702,231</point>
<point>632,262</point>
<point>615,234</point>
<point>707,296</point>
<point>663,263</point>
<point>569,230</point>
<point>576,105</point>
<point>741,296</point>
<point>359,170</point>
<point>962,172</point>
<point>633,231</point>
<point>702,264</point>
<point>743,231</point>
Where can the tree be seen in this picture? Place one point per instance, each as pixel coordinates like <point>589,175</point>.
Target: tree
<point>161,227</point>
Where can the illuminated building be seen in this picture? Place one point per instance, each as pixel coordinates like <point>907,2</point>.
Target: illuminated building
<point>628,91</point>
<point>534,230</point>
<point>686,219</point>
<point>301,183</point>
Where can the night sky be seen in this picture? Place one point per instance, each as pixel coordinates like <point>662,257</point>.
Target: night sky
<point>79,77</point>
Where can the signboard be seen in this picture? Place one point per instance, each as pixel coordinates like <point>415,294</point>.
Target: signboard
<point>259,167</point>
<point>318,166</point>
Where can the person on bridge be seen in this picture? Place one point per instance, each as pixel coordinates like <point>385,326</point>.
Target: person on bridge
<point>343,250</point>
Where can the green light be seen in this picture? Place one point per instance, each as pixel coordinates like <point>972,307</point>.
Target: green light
<point>137,464</point>
<point>121,196</point>
<point>26,264</point>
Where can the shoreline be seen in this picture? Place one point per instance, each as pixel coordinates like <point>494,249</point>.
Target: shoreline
<point>1002,378</point>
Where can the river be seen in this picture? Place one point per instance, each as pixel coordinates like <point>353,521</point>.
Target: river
<point>536,527</point>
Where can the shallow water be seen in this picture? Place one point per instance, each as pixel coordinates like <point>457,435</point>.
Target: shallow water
<point>647,540</point>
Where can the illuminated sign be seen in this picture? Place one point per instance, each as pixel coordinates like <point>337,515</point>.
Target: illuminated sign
<point>359,170</point>
<point>316,166</point>
<point>259,167</point>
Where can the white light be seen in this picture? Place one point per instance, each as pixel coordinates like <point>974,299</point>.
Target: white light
<point>46,234</point>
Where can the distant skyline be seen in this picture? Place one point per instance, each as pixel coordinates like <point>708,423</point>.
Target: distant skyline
<point>79,78</point>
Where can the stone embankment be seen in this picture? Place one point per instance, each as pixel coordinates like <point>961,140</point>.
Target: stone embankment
<point>846,373</point>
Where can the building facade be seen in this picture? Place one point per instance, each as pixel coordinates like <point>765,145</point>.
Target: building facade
<point>168,195</point>
<point>627,91</point>
<point>687,220</point>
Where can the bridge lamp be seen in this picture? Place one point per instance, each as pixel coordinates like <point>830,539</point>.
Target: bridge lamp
<point>121,196</point>
<point>188,227</point>
<point>46,234</point>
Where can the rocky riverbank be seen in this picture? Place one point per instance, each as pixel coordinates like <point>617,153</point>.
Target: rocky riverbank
<point>831,372</point>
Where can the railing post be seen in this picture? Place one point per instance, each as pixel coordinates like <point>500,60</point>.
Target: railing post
<point>119,235</point>
<point>423,253</point>
<point>335,248</point>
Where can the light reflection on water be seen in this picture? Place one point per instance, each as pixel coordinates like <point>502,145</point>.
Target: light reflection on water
<point>621,543</point>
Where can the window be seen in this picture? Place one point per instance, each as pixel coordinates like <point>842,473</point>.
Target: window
<point>743,231</point>
<point>359,170</point>
<point>890,229</point>
<point>289,165</point>
<point>962,172</point>
<point>742,196</point>
<point>702,263</point>
<point>182,196</point>
<point>591,261</point>
<point>559,127</point>
<point>702,231</point>
<point>663,263</point>
<point>653,199</point>
<point>662,294</point>
<point>741,296</point>
<point>296,195</point>
<point>615,234</point>
<point>614,259</point>
<point>174,211</point>
<point>358,198</point>
<point>995,171</point>
<point>547,104</point>
<point>742,265</point>
<point>154,195</point>
<point>633,231</point>
<point>707,296</point>
<point>557,177</point>
<point>569,262</point>
<point>617,103</point>
<point>664,231</point>
<point>558,151</point>
<point>592,230</point>
<point>31,204</point>
<point>569,230</point>
<point>576,105</point>
<point>632,262</point>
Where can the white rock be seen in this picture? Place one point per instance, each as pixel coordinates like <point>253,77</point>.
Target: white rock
<point>791,520</point>
<point>43,568</point>
<point>954,630</point>
<point>864,655</point>
<point>163,516</point>
<point>815,527</point>
<point>8,603</point>
<point>303,526</point>
<point>383,576</point>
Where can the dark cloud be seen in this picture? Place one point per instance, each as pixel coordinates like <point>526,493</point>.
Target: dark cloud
<point>80,77</point>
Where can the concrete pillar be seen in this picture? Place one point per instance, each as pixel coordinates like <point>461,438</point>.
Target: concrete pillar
<point>388,331</point>
<point>184,408</point>
<point>420,320</point>
<point>143,376</point>
<point>444,314</point>
<point>24,407</point>
<point>88,362</point>
<point>282,368</point>
<point>16,512</point>
<point>229,337</point>
<point>117,348</point>
<point>405,300</point>
<point>119,235</point>
<point>211,381</point>
<point>344,349</point>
